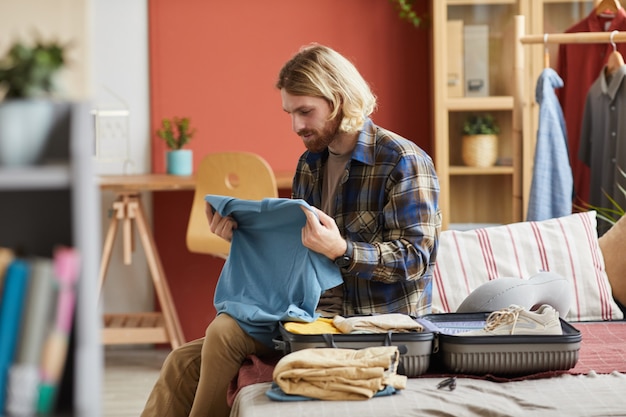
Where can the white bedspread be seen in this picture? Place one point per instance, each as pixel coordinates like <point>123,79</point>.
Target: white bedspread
<point>566,395</point>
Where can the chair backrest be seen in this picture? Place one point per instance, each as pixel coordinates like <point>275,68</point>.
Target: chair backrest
<point>243,175</point>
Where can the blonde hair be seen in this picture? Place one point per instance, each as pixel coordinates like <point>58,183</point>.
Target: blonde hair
<point>319,71</point>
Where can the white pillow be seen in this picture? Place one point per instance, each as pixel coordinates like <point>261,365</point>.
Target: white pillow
<point>567,246</point>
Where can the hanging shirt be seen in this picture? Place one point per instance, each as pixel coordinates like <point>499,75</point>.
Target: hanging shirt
<point>270,276</point>
<point>603,140</point>
<point>579,66</point>
<point>552,183</point>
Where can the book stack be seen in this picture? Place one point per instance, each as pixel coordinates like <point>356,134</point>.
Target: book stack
<point>37,298</point>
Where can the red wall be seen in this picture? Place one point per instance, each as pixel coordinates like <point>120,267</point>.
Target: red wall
<point>216,62</point>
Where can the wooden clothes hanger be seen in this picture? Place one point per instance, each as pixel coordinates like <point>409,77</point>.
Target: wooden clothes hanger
<point>616,60</point>
<point>608,6</point>
<point>546,52</point>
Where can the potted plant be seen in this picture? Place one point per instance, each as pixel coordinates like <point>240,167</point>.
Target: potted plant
<point>27,81</point>
<point>480,141</point>
<point>176,133</point>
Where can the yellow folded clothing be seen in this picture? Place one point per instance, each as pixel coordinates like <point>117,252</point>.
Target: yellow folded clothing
<point>380,323</point>
<point>339,374</point>
<point>320,326</point>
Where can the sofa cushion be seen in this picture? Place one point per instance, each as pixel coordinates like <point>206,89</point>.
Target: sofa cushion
<point>612,244</point>
<point>567,246</point>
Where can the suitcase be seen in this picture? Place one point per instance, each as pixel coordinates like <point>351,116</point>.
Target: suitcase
<point>499,355</point>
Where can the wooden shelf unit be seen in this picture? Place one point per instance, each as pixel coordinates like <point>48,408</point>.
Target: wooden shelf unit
<point>55,203</point>
<point>477,195</point>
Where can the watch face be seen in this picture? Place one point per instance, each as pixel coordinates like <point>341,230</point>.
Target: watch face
<point>342,261</point>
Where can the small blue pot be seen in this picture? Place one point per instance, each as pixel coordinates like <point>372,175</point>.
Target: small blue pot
<point>180,162</point>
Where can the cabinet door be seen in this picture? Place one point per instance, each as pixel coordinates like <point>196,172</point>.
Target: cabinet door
<point>473,58</point>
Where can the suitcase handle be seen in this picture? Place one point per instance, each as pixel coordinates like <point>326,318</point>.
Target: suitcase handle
<point>401,348</point>
<point>281,345</point>
<point>330,340</point>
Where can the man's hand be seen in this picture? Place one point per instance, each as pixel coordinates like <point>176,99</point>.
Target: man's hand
<point>322,235</point>
<point>221,226</point>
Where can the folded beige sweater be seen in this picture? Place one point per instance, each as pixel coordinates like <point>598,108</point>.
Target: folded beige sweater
<point>339,374</point>
<point>379,323</point>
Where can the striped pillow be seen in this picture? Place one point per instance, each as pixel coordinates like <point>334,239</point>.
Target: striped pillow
<point>567,246</point>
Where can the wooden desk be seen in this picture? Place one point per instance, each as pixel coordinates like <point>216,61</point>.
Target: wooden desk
<point>164,182</point>
<point>149,327</point>
<point>146,182</point>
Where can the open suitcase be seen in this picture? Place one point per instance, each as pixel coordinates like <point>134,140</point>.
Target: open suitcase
<point>499,355</point>
<point>440,347</point>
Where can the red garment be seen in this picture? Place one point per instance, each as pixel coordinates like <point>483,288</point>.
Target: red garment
<point>253,370</point>
<point>579,65</point>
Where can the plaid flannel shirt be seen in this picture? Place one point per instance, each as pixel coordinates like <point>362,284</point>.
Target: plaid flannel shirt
<point>387,206</point>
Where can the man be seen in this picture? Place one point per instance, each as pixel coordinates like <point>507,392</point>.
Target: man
<point>381,192</point>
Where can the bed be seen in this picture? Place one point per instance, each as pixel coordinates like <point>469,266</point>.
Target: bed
<point>596,386</point>
<point>566,395</point>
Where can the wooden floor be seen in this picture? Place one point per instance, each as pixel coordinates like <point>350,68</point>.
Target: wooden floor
<point>129,374</point>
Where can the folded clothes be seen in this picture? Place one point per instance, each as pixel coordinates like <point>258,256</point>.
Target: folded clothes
<point>379,323</point>
<point>277,394</point>
<point>320,326</point>
<point>339,374</point>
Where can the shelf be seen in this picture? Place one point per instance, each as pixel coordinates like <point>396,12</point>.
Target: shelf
<point>469,194</point>
<point>495,170</point>
<point>463,227</point>
<point>492,103</point>
<point>57,203</point>
<point>134,328</point>
<point>478,2</point>
<point>565,1</point>
<point>44,177</point>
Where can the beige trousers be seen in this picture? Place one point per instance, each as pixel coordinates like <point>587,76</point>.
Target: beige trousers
<point>194,378</point>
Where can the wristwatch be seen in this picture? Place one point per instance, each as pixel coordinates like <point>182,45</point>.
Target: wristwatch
<point>346,259</point>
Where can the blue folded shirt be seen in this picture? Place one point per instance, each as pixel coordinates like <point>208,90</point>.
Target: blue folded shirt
<point>269,275</point>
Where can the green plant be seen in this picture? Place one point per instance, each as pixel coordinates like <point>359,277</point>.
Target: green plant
<point>480,125</point>
<point>608,214</point>
<point>407,13</point>
<point>28,71</point>
<point>176,132</point>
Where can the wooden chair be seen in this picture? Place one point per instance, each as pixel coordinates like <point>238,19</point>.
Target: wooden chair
<point>242,175</point>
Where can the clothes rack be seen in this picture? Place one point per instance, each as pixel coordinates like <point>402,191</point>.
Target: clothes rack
<point>579,37</point>
<point>523,80</point>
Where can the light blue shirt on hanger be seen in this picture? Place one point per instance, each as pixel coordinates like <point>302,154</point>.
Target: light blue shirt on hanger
<point>552,185</point>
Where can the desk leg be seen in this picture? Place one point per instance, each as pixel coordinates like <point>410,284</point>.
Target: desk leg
<point>172,323</point>
<point>129,241</point>
<point>139,328</point>
<point>107,249</point>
